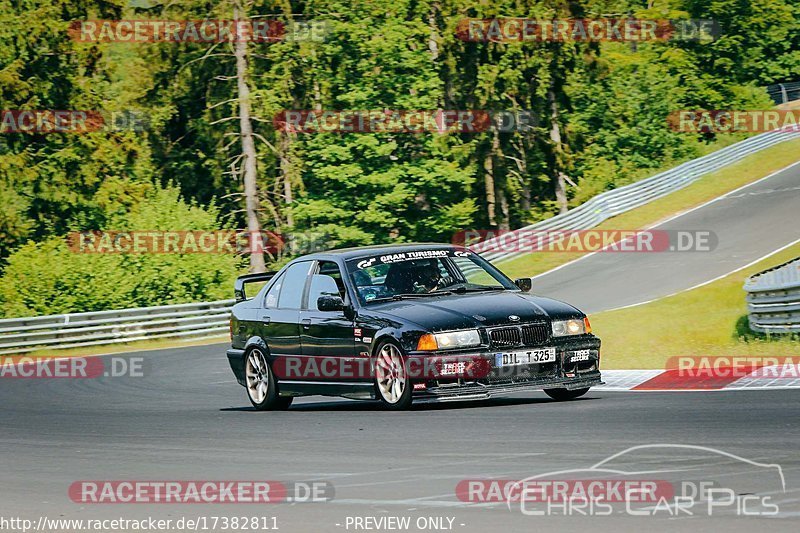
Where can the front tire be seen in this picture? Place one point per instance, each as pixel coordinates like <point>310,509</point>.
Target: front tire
<point>392,386</point>
<point>262,389</point>
<point>565,394</point>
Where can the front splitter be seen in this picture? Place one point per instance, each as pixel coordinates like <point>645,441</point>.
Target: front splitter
<point>483,391</point>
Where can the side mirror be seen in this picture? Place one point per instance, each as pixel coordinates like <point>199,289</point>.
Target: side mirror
<point>330,303</point>
<point>525,284</point>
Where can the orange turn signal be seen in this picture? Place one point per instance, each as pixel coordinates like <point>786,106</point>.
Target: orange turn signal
<point>427,343</point>
<point>587,325</point>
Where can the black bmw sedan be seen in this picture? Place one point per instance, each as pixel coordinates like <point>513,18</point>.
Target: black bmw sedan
<point>424,322</point>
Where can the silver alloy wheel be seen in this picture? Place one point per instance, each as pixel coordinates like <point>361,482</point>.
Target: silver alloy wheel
<point>257,375</point>
<point>390,373</point>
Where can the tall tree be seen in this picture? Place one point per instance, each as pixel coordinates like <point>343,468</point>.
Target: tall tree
<point>249,159</point>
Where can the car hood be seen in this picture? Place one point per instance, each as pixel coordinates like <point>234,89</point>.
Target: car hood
<point>460,311</point>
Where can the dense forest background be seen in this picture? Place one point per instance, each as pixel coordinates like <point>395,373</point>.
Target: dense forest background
<point>599,122</point>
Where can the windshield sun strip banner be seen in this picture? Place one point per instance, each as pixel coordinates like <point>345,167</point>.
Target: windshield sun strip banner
<point>387,259</point>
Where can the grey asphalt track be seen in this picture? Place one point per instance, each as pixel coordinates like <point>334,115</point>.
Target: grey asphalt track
<point>748,223</point>
<point>186,419</point>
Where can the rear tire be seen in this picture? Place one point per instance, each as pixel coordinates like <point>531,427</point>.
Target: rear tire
<point>392,385</point>
<point>262,389</point>
<point>565,394</point>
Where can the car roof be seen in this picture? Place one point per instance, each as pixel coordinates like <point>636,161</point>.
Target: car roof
<point>379,249</point>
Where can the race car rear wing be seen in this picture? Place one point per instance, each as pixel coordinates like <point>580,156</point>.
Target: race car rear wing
<point>238,287</point>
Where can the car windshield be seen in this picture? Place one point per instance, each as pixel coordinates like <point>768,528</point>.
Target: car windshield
<point>421,273</point>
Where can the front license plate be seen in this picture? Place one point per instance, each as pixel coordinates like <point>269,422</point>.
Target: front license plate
<point>526,357</point>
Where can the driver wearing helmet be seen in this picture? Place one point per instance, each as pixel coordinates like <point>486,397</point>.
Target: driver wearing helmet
<point>427,275</point>
<point>417,276</point>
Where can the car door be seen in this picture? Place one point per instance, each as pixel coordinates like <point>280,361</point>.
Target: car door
<point>280,314</point>
<point>328,334</point>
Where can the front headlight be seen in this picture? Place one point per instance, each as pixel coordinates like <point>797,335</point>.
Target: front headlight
<point>576,326</point>
<point>452,339</point>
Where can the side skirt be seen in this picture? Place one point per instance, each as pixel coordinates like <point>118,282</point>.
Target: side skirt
<point>355,391</point>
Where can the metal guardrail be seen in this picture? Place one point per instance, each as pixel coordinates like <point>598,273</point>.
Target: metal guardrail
<point>773,299</point>
<point>617,201</point>
<point>782,93</point>
<point>195,320</point>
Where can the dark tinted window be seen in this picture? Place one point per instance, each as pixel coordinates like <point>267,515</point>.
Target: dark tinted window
<point>294,281</point>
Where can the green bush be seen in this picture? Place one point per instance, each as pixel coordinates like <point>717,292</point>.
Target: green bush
<point>48,277</point>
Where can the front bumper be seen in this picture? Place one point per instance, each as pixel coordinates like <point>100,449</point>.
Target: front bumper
<point>577,366</point>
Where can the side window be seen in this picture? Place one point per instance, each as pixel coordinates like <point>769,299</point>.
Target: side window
<point>472,272</point>
<point>271,300</point>
<point>294,283</point>
<point>326,282</point>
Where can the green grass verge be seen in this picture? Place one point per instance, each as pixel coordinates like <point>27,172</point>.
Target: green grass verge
<point>707,321</point>
<point>706,188</point>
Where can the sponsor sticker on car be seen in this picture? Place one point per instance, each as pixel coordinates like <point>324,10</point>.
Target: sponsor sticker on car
<point>458,367</point>
<point>525,357</point>
<point>580,355</point>
<point>401,257</point>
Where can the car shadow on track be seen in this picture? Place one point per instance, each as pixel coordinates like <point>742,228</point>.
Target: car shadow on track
<point>369,405</point>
